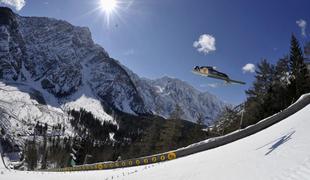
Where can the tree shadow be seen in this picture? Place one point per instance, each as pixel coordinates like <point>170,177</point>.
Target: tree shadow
<point>278,142</point>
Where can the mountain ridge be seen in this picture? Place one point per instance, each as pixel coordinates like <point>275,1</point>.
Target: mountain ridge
<point>62,62</point>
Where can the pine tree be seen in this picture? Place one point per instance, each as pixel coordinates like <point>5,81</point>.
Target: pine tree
<point>264,77</point>
<point>228,121</point>
<point>307,50</point>
<point>307,55</point>
<point>280,85</point>
<point>171,131</point>
<point>149,139</point>
<point>177,113</point>
<point>31,157</point>
<point>200,119</point>
<point>78,150</point>
<point>196,133</point>
<point>259,104</point>
<point>170,134</point>
<point>299,80</point>
<point>44,153</point>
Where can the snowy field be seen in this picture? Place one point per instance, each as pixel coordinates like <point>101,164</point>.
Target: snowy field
<point>279,152</point>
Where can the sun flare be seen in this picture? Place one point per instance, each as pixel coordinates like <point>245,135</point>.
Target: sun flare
<point>108,6</point>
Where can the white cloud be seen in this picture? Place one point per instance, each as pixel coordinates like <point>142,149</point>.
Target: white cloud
<point>211,85</point>
<point>205,44</point>
<point>303,25</point>
<point>250,68</point>
<point>17,4</point>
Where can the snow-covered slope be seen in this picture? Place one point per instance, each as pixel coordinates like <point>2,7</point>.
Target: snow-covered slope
<point>278,152</point>
<point>62,62</point>
<point>171,92</point>
<point>20,110</point>
<point>162,95</point>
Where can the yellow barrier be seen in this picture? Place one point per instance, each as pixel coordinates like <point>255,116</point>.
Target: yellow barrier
<point>146,161</point>
<point>99,166</point>
<point>172,155</point>
<point>120,164</point>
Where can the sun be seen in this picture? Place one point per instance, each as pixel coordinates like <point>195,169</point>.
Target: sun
<point>108,6</point>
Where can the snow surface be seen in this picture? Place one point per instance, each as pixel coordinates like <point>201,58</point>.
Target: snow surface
<point>278,152</point>
<point>20,111</point>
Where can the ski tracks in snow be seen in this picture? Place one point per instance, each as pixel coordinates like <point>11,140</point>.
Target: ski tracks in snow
<point>301,172</point>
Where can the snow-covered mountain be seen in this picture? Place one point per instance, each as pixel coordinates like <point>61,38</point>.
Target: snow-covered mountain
<point>173,91</point>
<point>61,62</point>
<point>20,111</point>
<point>162,95</point>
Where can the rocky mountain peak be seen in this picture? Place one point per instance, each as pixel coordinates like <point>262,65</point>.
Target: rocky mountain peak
<point>6,16</point>
<point>63,63</point>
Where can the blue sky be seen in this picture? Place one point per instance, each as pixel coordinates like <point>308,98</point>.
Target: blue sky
<point>155,37</point>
